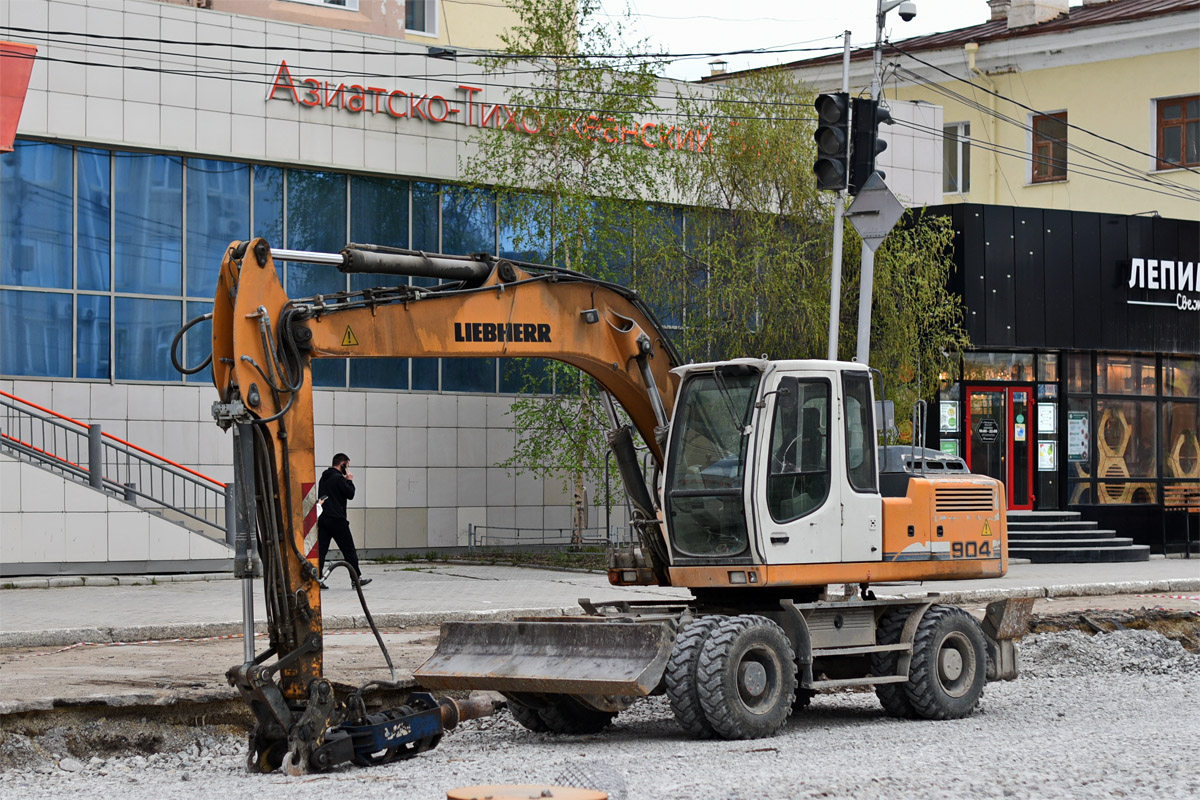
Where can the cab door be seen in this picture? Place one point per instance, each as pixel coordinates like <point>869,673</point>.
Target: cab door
<point>797,496</point>
<point>862,507</point>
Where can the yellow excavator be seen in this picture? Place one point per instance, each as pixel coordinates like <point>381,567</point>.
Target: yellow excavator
<point>767,488</point>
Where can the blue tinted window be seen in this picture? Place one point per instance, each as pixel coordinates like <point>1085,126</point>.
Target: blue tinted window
<point>468,221</point>
<point>35,334</point>
<point>469,374</point>
<point>425,203</point>
<point>93,318</point>
<point>525,228</point>
<point>218,212</point>
<point>425,374</point>
<point>197,344</point>
<point>36,193</point>
<point>316,220</point>
<point>94,202</point>
<point>378,215</point>
<point>149,224</point>
<point>268,208</point>
<point>144,329</point>
<point>525,375</point>
<point>379,373</point>
<point>329,372</point>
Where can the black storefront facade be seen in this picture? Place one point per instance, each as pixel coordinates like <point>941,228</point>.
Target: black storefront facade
<point>1082,387</point>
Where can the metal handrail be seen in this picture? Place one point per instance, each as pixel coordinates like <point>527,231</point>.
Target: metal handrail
<point>496,536</point>
<point>108,463</point>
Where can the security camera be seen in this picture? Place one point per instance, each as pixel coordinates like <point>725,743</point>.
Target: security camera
<point>907,11</point>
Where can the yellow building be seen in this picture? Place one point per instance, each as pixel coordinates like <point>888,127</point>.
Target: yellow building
<point>1093,107</point>
<point>441,23</point>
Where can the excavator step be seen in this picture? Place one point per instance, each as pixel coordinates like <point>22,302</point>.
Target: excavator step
<point>580,656</point>
<point>858,651</point>
<point>870,681</point>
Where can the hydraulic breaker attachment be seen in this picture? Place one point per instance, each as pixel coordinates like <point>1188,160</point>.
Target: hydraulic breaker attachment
<point>570,655</point>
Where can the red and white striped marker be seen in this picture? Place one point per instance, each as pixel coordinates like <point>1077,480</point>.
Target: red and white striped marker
<point>310,521</point>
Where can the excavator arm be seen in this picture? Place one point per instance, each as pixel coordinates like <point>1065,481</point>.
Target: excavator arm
<point>263,346</point>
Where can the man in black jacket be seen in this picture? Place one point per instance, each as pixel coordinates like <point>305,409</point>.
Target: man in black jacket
<point>335,488</point>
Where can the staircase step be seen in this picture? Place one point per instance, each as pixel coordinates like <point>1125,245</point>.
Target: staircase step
<point>1043,516</point>
<point>1044,544</point>
<point>1037,536</point>
<point>1057,525</point>
<point>1081,555</point>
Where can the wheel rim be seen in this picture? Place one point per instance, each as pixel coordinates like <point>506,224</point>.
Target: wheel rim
<point>956,664</point>
<point>758,679</point>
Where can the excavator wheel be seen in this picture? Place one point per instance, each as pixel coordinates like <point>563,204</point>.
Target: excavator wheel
<point>566,715</point>
<point>746,678</point>
<point>891,695</point>
<point>524,710</point>
<point>680,677</point>
<point>949,664</point>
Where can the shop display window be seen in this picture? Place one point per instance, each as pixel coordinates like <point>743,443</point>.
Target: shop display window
<point>1181,440</point>
<point>1047,365</point>
<point>1125,374</point>
<point>1079,373</point>
<point>1181,377</point>
<point>998,367</point>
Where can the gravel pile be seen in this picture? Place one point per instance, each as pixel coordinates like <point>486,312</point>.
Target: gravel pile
<point>1113,715</point>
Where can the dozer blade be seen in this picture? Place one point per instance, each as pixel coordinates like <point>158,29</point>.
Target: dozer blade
<point>577,657</point>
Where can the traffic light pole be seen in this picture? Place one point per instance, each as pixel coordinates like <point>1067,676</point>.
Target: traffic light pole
<point>867,279</point>
<point>839,217</point>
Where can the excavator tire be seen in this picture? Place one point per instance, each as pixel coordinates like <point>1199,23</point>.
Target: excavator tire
<point>524,711</point>
<point>891,695</point>
<point>949,664</point>
<point>566,715</point>
<point>746,678</point>
<point>680,677</point>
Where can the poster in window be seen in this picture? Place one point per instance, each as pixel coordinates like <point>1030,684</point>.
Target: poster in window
<point>1047,456</point>
<point>949,416</point>
<point>1047,417</point>
<point>1078,436</point>
<point>950,447</point>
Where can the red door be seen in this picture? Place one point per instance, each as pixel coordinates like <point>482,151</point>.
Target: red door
<point>1000,438</point>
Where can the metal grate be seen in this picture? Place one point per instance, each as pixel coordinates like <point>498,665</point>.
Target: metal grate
<point>964,498</point>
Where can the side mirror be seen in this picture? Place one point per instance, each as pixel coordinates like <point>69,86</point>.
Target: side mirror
<point>788,394</point>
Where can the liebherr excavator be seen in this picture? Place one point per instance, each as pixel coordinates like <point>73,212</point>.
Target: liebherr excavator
<point>765,490</point>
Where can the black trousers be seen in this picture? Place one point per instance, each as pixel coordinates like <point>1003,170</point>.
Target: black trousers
<point>336,530</point>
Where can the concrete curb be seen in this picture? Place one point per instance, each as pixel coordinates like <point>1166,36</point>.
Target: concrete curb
<point>65,637</point>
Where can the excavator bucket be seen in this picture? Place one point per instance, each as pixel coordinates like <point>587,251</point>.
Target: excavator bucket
<point>554,657</point>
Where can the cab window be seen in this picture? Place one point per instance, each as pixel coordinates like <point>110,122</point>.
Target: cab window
<point>860,432</point>
<point>798,475</point>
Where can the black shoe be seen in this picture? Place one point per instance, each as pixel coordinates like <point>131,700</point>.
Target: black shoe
<point>364,581</point>
<point>322,584</point>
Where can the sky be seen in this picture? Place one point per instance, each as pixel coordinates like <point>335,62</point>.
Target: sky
<point>712,26</point>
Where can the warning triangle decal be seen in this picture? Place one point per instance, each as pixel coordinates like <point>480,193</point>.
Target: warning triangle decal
<point>348,340</point>
<point>987,529</point>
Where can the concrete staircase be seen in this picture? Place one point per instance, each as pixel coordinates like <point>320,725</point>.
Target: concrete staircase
<point>1061,537</point>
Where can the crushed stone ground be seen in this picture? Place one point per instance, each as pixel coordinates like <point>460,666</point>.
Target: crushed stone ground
<point>1103,716</point>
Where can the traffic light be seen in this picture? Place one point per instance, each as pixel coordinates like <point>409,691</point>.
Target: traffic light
<point>833,140</point>
<point>865,143</point>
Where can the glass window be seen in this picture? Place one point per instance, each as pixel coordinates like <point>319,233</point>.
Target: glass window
<point>378,215</point>
<point>798,481</point>
<point>36,210</point>
<point>93,320</point>
<point>997,366</point>
<point>1181,445</point>
<point>956,158</point>
<point>268,204</point>
<point>1125,439</point>
<point>1181,377</point>
<point>1178,132</point>
<point>329,372</point>
<point>468,221</point>
<point>1123,374</point>
<point>35,333</point>
<point>860,431</point>
<point>1050,147</point>
<point>144,329</point>
<point>1047,367</point>
<point>1079,373</point>
<point>149,224</point>
<point>316,220</point>
<point>525,227</point>
<point>197,344</point>
<point>707,466</point>
<point>94,204</point>
<point>468,374</point>
<point>420,16</point>
<point>218,212</point>
<point>379,373</point>
<point>526,376</point>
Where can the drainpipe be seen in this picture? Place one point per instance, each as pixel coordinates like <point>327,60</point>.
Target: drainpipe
<point>971,48</point>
